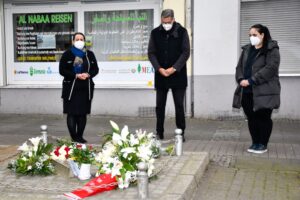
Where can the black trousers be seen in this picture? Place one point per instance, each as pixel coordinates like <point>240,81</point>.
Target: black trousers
<point>76,125</point>
<point>161,99</point>
<point>260,123</point>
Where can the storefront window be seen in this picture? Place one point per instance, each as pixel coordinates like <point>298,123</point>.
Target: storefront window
<point>42,37</point>
<point>119,35</point>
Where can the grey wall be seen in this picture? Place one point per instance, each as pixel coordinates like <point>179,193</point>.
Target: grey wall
<point>213,97</point>
<point>120,102</point>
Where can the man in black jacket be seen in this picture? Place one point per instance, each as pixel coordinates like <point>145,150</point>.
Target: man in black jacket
<point>168,51</point>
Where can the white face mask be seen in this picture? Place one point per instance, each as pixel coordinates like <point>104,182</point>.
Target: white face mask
<point>254,40</point>
<point>167,27</point>
<point>79,44</point>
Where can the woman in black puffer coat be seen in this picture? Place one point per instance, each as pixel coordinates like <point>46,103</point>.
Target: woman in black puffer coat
<point>78,66</point>
<point>258,90</point>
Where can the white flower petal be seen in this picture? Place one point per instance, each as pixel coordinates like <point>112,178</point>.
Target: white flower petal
<point>117,139</point>
<point>24,147</point>
<point>35,141</point>
<point>125,133</point>
<point>114,126</point>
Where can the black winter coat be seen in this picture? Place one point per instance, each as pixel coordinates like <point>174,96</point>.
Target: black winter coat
<point>169,49</point>
<point>77,94</point>
<point>265,75</point>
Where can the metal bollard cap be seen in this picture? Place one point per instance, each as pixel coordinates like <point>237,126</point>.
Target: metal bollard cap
<point>44,127</point>
<point>178,131</point>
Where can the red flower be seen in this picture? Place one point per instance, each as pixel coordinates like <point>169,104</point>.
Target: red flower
<point>67,149</point>
<point>56,152</point>
<point>78,146</point>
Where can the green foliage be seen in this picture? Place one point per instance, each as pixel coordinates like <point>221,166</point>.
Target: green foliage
<point>34,162</point>
<point>83,154</point>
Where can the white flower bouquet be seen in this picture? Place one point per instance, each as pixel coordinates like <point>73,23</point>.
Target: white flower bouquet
<point>34,159</point>
<point>122,151</point>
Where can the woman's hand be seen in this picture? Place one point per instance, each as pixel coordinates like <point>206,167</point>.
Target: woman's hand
<point>244,83</point>
<point>82,76</point>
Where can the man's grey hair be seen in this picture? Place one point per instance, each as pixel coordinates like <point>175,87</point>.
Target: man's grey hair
<point>167,13</point>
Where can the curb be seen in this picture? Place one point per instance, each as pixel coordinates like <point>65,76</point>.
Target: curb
<point>186,182</point>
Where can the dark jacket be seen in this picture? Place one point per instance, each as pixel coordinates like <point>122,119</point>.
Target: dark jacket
<point>70,83</point>
<point>265,78</point>
<point>169,49</point>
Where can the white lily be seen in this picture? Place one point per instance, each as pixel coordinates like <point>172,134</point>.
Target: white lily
<point>140,134</point>
<point>131,176</point>
<point>99,157</point>
<point>117,139</point>
<point>109,149</point>
<point>150,135</point>
<point>106,168</point>
<point>125,133</point>
<point>144,152</point>
<point>114,126</point>
<point>24,147</point>
<point>117,165</point>
<point>122,183</point>
<point>35,141</point>
<point>127,151</point>
<point>133,140</point>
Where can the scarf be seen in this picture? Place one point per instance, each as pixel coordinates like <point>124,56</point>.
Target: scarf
<point>78,53</point>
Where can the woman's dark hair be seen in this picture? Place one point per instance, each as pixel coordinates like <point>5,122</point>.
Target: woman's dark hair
<point>78,33</point>
<point>263,29</point>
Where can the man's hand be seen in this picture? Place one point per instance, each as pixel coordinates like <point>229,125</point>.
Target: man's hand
<point>170,70</point>
<point>167,72</point>
<point>163,72</point>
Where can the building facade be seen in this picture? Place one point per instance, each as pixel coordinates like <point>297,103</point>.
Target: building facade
<point>34,34</point>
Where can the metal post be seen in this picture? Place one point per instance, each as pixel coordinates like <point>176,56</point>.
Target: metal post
<point>178,141</point>
<point>44,133</point>
<point>142,179</point>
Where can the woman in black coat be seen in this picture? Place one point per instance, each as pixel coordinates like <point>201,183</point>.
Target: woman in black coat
<point>78,66</point>
<point>258,90</point>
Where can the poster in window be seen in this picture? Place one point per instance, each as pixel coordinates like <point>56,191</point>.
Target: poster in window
<point>42,37</point>
<point>119,39</point>
<point>39,41</point>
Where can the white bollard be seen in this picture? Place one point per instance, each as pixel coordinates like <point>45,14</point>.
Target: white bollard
<point>142,178</point>
<point>178,142</point>
<point>44,133</point>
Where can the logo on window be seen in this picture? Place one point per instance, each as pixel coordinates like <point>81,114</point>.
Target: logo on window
<point>33,71</point>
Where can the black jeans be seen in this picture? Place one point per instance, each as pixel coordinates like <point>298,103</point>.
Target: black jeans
<point>260,123</point>
<point>161,99</point>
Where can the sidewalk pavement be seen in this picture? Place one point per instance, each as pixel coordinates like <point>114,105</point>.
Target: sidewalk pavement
<point>233,172</point>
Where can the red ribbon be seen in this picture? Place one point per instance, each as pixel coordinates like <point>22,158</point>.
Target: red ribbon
<point>102,183</point>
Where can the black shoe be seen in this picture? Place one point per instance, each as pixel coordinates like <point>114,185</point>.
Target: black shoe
<point>160,136</point>
<point>81,140</point>
<point>260,148</point>
<point>183,138</point>
<point>252,148</point>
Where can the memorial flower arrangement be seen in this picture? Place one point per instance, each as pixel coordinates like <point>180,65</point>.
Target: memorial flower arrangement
<point>77,152</point>
<point>123,150</point>
<point>34,158</point>
<point>82,153</point>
